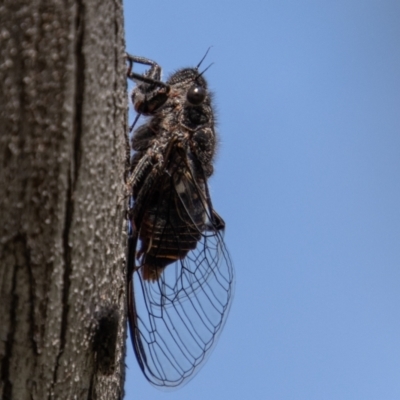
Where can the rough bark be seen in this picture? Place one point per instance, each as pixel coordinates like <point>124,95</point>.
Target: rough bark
<point>62,152</point>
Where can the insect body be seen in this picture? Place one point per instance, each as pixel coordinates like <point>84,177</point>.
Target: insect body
<point>180,274</point>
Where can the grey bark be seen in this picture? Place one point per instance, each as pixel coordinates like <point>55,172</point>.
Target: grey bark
<point>62,159</point>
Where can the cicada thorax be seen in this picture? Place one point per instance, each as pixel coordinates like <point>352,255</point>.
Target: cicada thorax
<point>174,218</point>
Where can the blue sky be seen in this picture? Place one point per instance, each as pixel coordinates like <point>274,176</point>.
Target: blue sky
<point>307,180</point>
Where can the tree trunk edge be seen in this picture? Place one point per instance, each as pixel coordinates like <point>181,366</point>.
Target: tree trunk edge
<point>63,122</point>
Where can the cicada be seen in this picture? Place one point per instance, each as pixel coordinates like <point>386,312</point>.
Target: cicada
<point>180,275</point>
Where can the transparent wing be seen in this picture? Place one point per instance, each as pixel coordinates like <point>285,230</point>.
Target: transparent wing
<point>176,319</point>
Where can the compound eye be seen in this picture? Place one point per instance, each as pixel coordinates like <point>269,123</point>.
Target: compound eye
<point>196,95</point>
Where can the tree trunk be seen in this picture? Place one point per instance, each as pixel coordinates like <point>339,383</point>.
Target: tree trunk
<point>62,158</point>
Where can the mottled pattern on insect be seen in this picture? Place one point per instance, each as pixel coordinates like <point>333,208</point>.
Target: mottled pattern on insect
<point>182,129</point>
<point>176,247</point>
